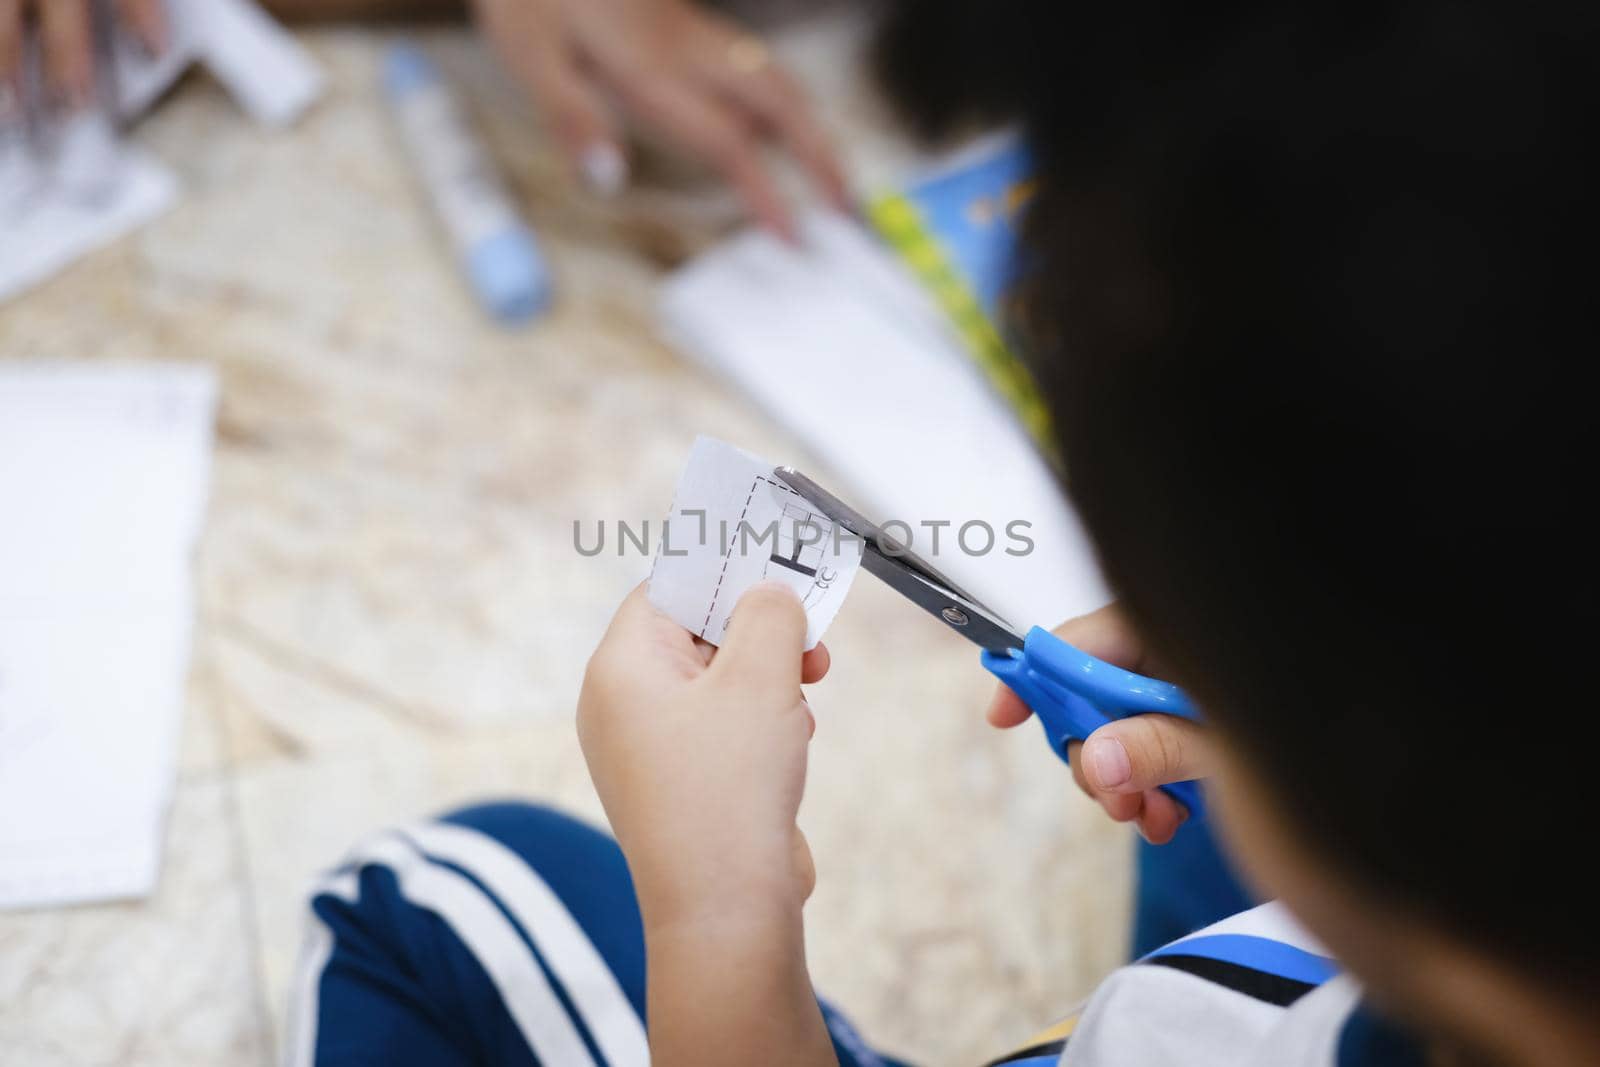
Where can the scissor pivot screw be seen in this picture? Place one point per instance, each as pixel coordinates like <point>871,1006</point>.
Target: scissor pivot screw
<point>954,616</point>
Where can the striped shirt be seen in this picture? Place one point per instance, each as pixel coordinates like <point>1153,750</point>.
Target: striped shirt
<point>509,934</point>
<point>1254,990</point>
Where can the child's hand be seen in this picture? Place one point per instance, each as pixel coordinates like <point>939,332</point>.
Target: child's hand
<point>699,756</point>
<point>1123,762</point>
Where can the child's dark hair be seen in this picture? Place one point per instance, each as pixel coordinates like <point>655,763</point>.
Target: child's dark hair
<point>1308,308</point>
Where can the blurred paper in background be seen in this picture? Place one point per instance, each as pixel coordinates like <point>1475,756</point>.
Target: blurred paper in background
<point>887,356</point>
<point>70,186</point>
<point>103,475</point>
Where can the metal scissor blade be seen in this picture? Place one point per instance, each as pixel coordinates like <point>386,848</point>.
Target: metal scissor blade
<point>913,577</point>
<point>844,515</point>
<point>972,621</point>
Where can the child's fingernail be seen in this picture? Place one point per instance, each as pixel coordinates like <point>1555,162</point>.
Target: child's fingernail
<point>1106,762</point>
<point>605,171</point>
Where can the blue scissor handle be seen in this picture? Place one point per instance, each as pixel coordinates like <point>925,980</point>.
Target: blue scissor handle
<point>1073,694</point>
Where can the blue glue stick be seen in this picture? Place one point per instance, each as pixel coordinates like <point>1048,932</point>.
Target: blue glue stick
<point>497,250</point>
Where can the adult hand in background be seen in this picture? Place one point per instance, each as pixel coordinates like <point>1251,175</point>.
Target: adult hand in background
<point>689,75</point>
<point>66,41</point>
<point>1122,763</point>
<point>692,77</point>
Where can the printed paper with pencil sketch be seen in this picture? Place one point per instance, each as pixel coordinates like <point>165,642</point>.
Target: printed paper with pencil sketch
<point>733,524</point>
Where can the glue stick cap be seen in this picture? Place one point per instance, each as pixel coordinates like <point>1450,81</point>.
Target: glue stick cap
<point>509,275</point>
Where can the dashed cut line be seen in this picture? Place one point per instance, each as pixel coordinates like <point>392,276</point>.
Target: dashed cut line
<point>728,554</point>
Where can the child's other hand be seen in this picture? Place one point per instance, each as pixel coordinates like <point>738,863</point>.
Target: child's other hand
<point>699,756</point>
<point>1123,762</point>
<point>66,38</point>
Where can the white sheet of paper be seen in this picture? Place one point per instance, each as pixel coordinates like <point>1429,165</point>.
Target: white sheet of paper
<point>838,343</point>
<point>103,472</point>
<point>49,225</point>
<point>75,187</point>
<point>733,524</point>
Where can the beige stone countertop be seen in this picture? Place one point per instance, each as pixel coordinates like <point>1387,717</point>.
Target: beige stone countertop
<point>392,618</point>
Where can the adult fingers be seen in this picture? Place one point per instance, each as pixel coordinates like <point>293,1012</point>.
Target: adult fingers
<point>10,50</point>
<point>148,21</point>
<point>740,67</point>
<point>64,32</point>
<point>577,116</point>
<point>765,639</point>
<point>709,129</point>
<point>530,42</point>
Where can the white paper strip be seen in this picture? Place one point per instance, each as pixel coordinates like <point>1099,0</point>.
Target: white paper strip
<point>72,186</point>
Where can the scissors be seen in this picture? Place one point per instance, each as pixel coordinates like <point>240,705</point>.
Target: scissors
<point>1071,692</point>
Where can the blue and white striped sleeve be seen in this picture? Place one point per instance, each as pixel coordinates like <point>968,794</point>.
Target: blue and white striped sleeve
<point>505,934</point>
<point>441,943</point>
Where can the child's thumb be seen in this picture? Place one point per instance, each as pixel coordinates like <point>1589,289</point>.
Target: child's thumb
<point>1145,751</point>
<point>766,637</point>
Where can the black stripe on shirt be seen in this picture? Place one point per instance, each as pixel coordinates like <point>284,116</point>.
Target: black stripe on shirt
<point>1272,988</point>
<point>1048,1048</point>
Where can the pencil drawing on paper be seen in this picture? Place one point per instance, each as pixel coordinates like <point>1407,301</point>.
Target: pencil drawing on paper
<point>804,539</point>
<point>767,531</point>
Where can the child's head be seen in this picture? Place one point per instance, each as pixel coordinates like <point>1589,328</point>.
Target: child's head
<point>1301,304</point>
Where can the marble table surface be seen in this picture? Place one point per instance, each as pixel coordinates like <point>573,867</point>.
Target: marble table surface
<point>392,618</point>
